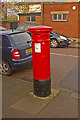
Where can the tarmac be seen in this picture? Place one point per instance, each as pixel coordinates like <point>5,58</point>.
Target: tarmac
<point>19,101</point>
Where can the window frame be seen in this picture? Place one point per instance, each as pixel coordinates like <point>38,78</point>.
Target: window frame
<point>30,19</point>
<point>26,18</point>
<point>58,20</point>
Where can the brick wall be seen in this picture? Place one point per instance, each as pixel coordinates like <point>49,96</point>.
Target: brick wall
<point>22,20</point>
<point>5,24</point>
<point>38,19</point>
<point>69,28</point>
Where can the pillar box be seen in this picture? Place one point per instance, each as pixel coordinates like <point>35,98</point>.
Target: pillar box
<point>41,60</point>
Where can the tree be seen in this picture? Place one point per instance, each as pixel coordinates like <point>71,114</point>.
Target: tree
<point>13,8</point>
<point>9,8</point>
<point>4,10</point>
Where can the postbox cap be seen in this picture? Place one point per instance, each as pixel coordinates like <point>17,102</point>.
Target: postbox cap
<point>40,29</point>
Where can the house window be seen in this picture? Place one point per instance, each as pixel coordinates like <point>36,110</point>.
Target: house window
<point>59,17</point>
<point>30,19</point>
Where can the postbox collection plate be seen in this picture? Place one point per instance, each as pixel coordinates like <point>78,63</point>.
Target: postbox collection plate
<point>38,47</point>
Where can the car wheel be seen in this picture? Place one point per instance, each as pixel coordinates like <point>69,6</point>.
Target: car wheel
<point>54,43</point>
<point>5,68</point>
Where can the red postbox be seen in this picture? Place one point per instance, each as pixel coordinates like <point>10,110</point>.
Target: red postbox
<point>41,60</point>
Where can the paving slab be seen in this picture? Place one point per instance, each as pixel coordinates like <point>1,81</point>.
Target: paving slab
<point>32,104</point>
<point>0,96</point>
<point>75,95</point>
<point>6,83</point>
<point>63,106</point>
<point>13,113</point>
<point>20,89</point>
<point>8,99</point>
<point>16,87</point>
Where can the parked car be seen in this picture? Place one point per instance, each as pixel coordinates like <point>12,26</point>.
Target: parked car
<point>2,28</point>
<point>16,50</point>
<point>56,39</point>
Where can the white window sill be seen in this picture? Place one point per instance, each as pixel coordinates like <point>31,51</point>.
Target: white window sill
<point>29,22</point>
<point>59,20</point>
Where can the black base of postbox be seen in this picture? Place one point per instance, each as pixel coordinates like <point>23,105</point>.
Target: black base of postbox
<point>42,88</point>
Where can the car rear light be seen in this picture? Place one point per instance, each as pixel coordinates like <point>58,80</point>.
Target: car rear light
<point>15,54</point>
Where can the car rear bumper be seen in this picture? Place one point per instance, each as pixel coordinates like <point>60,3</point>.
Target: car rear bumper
<point>21,63</point>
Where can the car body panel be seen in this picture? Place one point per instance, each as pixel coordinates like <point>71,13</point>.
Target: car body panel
<point>62,42</point>
<point>8,47</point>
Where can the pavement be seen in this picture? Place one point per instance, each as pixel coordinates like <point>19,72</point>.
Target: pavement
<point>20,102</point>
<point>75,45</point>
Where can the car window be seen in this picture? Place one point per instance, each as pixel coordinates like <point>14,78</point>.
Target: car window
<point>28,26</point>
<point>21,28</point>
<point>20,38</point>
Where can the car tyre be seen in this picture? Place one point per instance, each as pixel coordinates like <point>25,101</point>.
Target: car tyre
<point>54,43</point>
<point>5,68</point>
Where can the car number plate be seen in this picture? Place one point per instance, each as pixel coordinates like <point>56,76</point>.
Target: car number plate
<point>29,50</point>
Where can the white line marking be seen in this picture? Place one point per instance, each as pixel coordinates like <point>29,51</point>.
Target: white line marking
<point>64,55</point>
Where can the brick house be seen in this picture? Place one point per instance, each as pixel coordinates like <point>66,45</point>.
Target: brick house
<point>63,17</point>
<point>32,14</point>
<point>30,18</point>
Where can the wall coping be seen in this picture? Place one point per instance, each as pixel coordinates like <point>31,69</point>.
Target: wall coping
<point>61,3</point>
